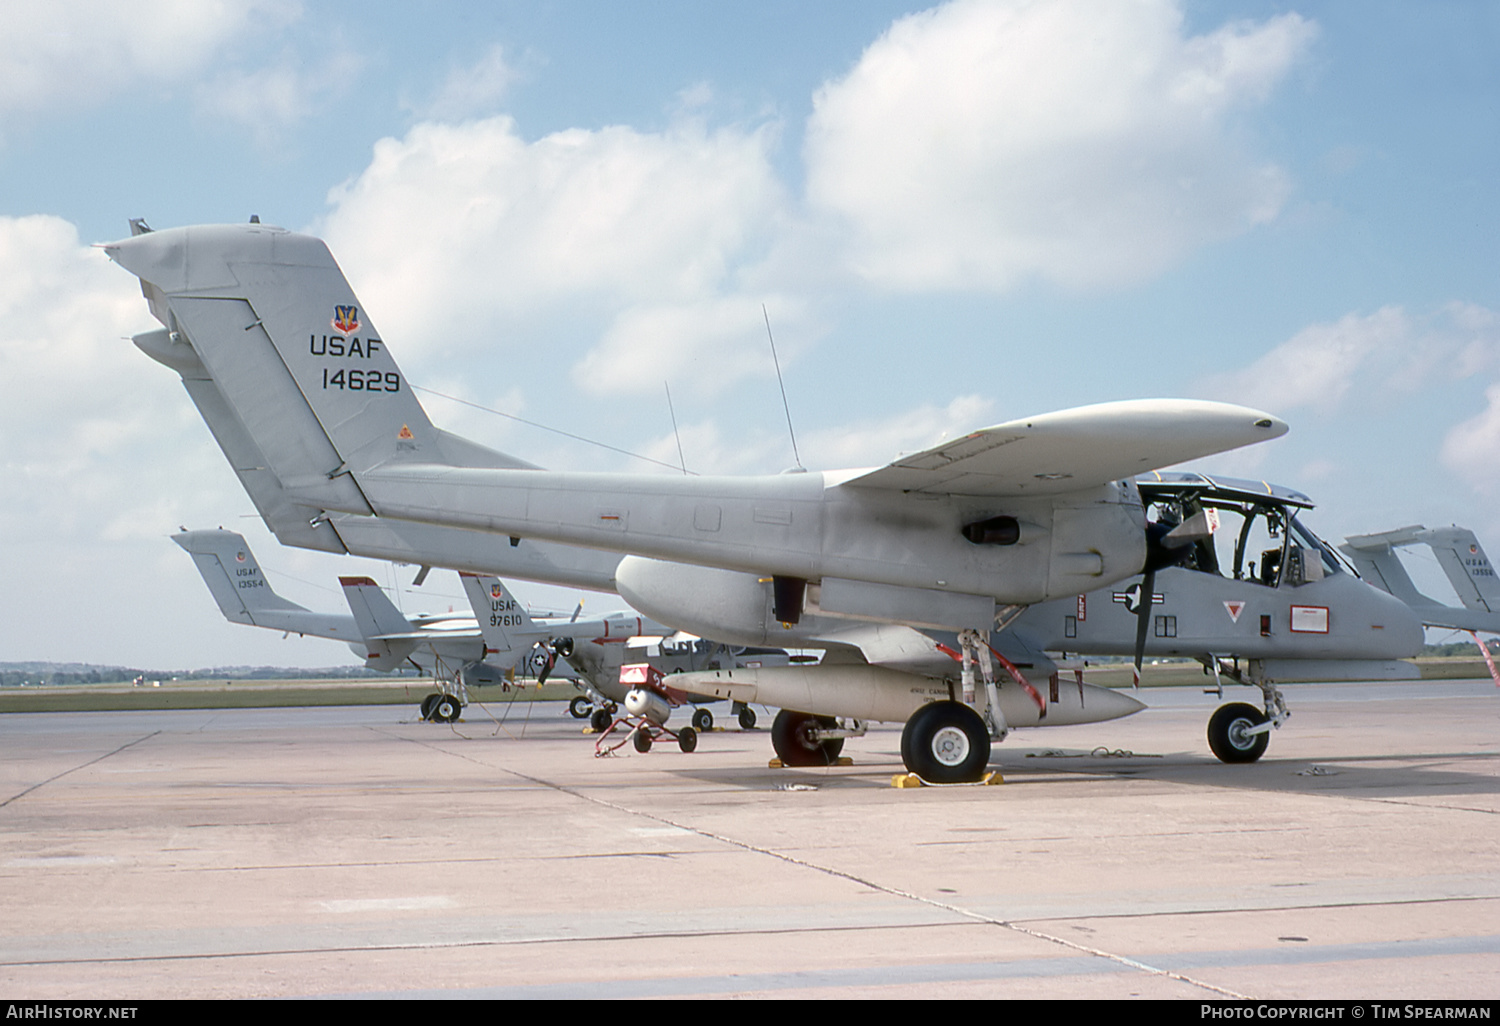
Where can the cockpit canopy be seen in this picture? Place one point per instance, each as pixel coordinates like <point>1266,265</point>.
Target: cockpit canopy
<point>1239,529</point>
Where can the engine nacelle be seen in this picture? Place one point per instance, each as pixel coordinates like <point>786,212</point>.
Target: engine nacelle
<point>726,605</point>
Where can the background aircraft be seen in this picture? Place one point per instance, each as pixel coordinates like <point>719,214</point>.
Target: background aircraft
<point>1464,562</point>
<point>451,649</point>
<point>599,656</point>
<point>460,652</point>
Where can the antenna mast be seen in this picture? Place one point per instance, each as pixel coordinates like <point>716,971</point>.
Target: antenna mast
<point>680,458</point>
<point>784,404</point>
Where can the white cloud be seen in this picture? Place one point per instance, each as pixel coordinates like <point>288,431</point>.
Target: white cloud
<point>880,439</point>
<point>872,442</point>
<point>972,145</point>
<point>267,99</point>
<point>707,344</point>
<point>104,456</point>
<point>459,227</point>
<point>1389,352</point>
<point>472,91</point>
<point>73,54</point>
<point>1472,448</point>
<point>1087,143</point>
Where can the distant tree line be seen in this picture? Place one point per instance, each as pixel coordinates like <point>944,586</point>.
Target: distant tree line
<point>1461,648</point>
<point>14,675</point>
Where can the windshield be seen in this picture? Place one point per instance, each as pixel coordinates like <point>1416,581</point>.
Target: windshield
<point>1250,541</point>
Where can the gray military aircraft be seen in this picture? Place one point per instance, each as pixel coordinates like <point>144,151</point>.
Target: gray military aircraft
<point>949,538</point>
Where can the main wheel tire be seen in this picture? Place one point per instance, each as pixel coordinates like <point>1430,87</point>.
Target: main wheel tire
<point>642,741</point>
<point>580,707</point>
<point>687,739</point>
<point>427,704</point>
<point>446,709</point>
<point>1227,733</point>
<point>747,718</point>
<point>703,720</point>
<point>601,720</point>
<point>792,738</point>
<point>946,743</point>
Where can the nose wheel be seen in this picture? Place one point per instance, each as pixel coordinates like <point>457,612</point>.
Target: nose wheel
<point>1238,732</point>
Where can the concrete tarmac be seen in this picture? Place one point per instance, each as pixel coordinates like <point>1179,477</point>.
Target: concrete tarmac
<point>357,852</point>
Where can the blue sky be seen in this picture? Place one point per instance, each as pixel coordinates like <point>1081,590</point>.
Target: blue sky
<point>954,215</point>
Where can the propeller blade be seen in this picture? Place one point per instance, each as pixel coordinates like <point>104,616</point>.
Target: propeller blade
<point>1143,622</point>
<point>542,661</point>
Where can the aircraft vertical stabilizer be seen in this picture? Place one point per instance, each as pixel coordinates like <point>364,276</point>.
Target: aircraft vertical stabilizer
<point>243,593</point>
<point>233,576</point>
<point>273,322</point>
<point>388,634</point>
<point>1469,571</point>
<point>1463,560</point>
<point>503,621</point>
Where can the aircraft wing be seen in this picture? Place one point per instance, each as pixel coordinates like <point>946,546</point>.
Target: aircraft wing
<point>1075,449</point>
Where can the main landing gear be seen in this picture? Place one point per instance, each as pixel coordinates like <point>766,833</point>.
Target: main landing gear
<point>440,707</point>
<point>802,739</point>
<point>946,743</point>
<point>943,742</point>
